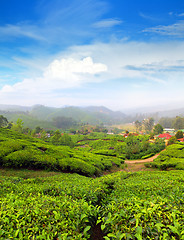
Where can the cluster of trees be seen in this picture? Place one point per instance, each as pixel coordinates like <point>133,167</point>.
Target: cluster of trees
<point>19,127</point>
<point>132,147</point>
<point>174,138</point>
<point>140,147</point>
<point>176,123</point>
<point>147,125</point>
<point>62,139</point>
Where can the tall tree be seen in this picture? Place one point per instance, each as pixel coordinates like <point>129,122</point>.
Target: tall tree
<point>3,121</point>
<point>158,129</point>
<point>148,124</point>
<point>138,125</point>
<point>179,134</point>
<point>18,127</point>
<point>166,122</point>
<point>178,123</point>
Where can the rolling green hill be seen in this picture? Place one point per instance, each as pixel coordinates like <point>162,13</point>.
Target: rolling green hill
<point>44,116</point>
<point>20,151</point>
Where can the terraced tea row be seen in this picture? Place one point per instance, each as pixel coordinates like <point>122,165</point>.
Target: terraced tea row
<point>147,205</point>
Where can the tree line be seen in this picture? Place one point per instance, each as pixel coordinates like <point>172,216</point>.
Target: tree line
<point>176,123</point>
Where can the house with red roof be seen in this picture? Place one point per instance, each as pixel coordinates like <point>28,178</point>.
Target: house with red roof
<point>166,136</point>
<point>181,139</point>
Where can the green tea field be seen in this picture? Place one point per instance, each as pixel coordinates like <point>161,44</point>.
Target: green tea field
<point>59,193</point>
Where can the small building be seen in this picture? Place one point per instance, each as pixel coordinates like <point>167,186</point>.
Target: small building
<point>169,130</point>
<point>166,136</point>
<point>181,139</point>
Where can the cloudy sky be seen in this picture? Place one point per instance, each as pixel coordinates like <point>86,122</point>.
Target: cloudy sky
<point>122,54</point>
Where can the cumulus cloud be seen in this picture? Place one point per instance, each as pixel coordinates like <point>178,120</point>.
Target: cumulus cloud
<point>69,68</point>
<point>61,74</point>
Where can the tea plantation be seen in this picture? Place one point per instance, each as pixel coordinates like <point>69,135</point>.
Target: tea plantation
<point>172,157</point>
<point>21,151</point>
<point>146,205</point>
<point>132,147</point>
<point>38,204</point>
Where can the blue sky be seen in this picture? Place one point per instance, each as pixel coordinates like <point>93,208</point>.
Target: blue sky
<point>116,53</point>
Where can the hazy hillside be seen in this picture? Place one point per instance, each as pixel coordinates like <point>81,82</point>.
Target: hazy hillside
<point>172,113</point>
<point>41,112</point>
<point>14,108</point>
<point>91,115</point>
<point>28,120</point>
<point>44,116</point>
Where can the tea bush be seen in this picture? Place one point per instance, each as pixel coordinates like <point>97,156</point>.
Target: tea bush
<point>146,205</point>
<point>172,157</point>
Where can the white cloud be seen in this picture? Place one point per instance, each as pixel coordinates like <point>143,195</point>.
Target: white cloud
<point>175,30</point>
<point>109,73</point>
<point>107,23</point>
<point>147,59</point>
<point>66,73</point>
<point>61,68</point>
<point>60,74</point>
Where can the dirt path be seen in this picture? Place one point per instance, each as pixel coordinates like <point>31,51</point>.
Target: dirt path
<point>142,161</point>
<point>134,165</point>
<point>138,165</point>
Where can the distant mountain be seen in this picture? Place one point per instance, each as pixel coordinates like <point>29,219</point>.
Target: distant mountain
<point>101,109</point>
<point>91,115</point>
<point>104,113</point>
<point>41,112</point>
<point>14,108</point>
<point>46,117</point>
